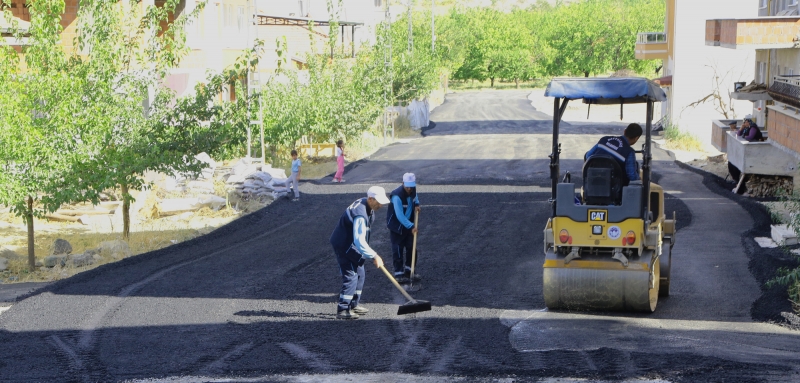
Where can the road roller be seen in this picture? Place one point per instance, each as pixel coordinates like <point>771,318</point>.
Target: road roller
<point>608,242</point>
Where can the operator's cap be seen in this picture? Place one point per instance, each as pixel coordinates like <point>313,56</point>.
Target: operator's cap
<point>732,123</point>
<point>409,180</point>
<point>379,194</point>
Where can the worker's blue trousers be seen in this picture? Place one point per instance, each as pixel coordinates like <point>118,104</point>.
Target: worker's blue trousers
<point>352,282</point>
<point>401,251</point>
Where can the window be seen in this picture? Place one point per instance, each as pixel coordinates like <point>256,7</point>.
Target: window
<point>240,19</point>
<point>762,4</point>
<point>228,16</point>
<point>378,3</point>
<point>789,71</point>
<point>792,3</point>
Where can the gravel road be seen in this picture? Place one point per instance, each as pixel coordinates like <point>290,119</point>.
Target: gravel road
<point>255,300</point>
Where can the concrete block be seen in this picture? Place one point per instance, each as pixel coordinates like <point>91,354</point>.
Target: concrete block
<point>766,242</point>
<point>784,235</point>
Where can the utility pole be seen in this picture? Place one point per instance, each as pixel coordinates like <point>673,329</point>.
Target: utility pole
<point>254,86</point>
<point>387,67</point>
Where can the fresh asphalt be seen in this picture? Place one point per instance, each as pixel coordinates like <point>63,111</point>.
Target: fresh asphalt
<point>255,300</point>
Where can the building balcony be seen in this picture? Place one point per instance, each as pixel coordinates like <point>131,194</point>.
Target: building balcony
<point>786,89</point>
<point>651,46</point>
<point>775,32</point>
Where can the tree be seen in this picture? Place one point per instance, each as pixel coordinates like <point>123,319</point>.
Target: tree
<point>39,120</point>
<point>131,50</point>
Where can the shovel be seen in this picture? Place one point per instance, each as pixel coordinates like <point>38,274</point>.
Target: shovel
<point>413,305</point>
<point>411,286</point>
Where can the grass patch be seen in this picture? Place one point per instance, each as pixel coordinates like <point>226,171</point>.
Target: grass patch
<point>681,140</point>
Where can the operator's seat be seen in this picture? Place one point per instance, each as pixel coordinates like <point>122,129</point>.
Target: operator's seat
<point>603,179</point>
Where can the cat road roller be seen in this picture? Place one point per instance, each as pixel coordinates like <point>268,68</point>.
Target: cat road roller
<point>610,247</point>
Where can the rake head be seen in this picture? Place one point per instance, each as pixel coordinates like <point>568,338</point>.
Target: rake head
<point>414,307</point>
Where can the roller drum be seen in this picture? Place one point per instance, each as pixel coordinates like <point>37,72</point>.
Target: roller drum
<point>601,285</point>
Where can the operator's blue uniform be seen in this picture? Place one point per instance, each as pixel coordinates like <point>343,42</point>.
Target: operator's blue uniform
<point>618,148</point>
<point>399,220</point>
<point>350,240</point>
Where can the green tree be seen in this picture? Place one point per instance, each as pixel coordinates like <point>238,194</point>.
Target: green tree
<point>139,125</point>
<point>39,120</point>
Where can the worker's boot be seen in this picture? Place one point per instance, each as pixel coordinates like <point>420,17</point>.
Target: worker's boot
<point>359,310</point>
<point>346,314</point>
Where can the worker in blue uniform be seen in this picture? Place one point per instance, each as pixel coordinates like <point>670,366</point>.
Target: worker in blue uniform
<point>620,148</point>
<point>399,219</point>
<point>350,241</point>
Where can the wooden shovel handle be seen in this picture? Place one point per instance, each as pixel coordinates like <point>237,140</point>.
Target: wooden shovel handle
<point>402,290</point>
<point>414,247</point>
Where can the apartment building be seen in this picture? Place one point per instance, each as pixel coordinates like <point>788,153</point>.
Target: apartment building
<point>691,70</point>
<point>772,33</point>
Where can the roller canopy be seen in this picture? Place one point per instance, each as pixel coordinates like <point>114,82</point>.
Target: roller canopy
<point>605,90</point>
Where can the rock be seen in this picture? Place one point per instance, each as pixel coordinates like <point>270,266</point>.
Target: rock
<point>766,242</point>
<point>9,254</point>
<point>61,247</point>
<point>55,260</point>
<point>3,264</point>
<point>783,235</point>
<point>115,249</point>
<point>791,318</point>
<point>38,263</point>
<point>80,260</point>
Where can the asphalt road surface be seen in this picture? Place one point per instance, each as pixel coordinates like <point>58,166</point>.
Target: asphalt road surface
<point>255,300</point>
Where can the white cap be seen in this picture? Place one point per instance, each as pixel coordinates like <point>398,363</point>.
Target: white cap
<point>409,180</point>
<point>748,117</point>
<point>379,194</point>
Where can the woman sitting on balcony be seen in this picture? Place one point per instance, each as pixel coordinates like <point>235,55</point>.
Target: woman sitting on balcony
<point>750,130</point>
<point>751,133</point>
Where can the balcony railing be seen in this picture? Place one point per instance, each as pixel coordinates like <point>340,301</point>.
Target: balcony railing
<point>786,89</point>
<point>775,32</point>
<point>651,38</point>
<point>651,46</point>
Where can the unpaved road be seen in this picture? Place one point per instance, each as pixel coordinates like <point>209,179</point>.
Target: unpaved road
<point>255,300</point>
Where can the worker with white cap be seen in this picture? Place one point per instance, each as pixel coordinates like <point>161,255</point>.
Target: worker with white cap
<point>350,240</point>
<point>400,221</point>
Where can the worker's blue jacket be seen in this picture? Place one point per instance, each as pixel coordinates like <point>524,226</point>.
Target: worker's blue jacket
<point>401,210</point>
<point>350,238</point>
<point>618,148</point>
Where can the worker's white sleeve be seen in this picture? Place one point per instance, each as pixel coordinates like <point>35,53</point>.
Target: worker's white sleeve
<point>360,238</point>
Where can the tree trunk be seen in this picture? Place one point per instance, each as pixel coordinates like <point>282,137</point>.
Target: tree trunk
<point>492,78</point>
<point>29,221</point>
<point>585,74</point>
<point>516,81</point>
<point>126,212</point>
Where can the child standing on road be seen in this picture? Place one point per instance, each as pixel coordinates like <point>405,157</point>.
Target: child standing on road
<point>339,161</point>
<point>294,179</point>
